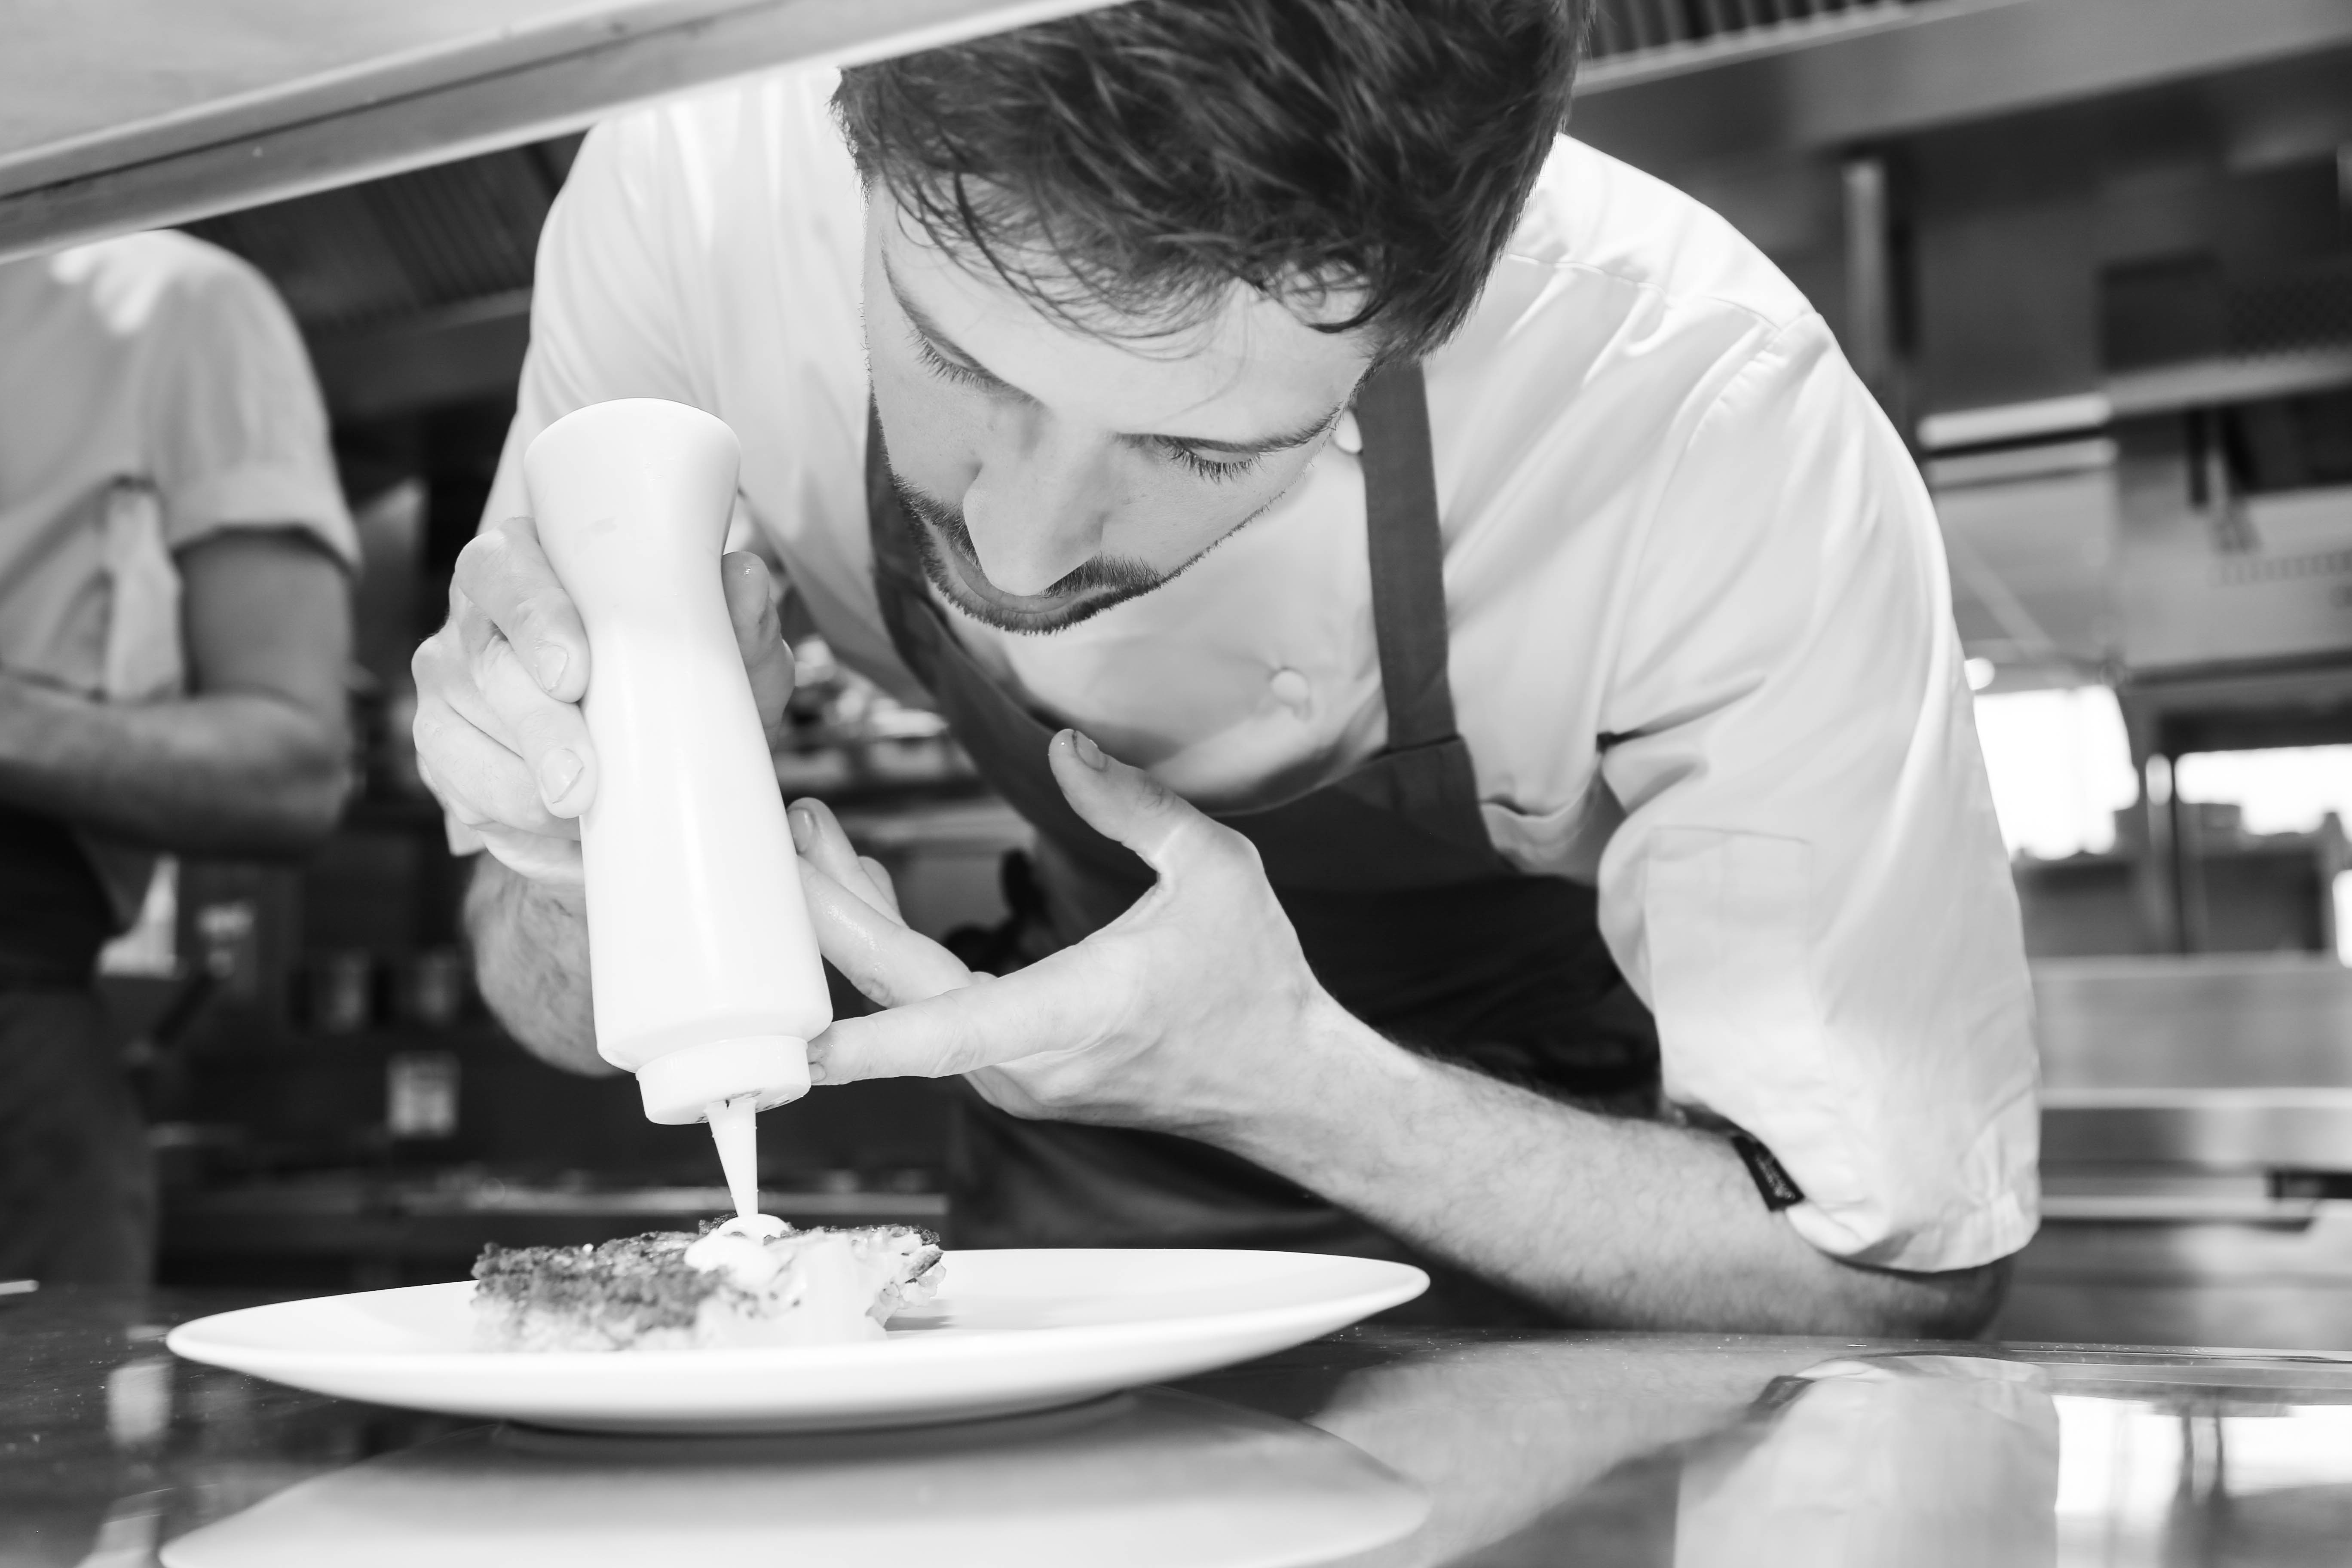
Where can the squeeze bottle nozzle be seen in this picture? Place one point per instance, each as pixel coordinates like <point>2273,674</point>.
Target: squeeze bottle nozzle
<point>703,966</point>
<point>734,1127</point>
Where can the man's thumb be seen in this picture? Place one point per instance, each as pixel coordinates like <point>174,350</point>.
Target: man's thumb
<point>1119,802</point>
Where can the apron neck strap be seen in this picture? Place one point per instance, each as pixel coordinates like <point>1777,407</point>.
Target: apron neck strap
<point>1408,555</point>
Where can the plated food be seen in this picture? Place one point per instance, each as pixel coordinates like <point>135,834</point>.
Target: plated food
<point>1010,1331</point>
<point>735,1284</point>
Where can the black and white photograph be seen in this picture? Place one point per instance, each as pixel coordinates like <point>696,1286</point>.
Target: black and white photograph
<point>1176,784</point>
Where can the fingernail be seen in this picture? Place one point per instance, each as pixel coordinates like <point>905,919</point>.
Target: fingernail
<point>1088,753</point>
<point>804,826</point>
<point>558,771</point>
<point>551,663</point>
<point>816,1071</point>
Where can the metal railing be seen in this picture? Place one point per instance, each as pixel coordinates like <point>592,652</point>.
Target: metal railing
<point>1631,26</point>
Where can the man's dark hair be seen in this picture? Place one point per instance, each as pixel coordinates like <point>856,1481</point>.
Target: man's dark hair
<point>1138,160</point>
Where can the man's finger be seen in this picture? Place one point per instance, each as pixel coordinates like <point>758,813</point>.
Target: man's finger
<point>750,593</point>
<point>474,642</point>
<point>1127,803</point>
<point>879,875</point>
<point>505,575</point>
<point>1022,1014</point>
<point>446,666</point>
<point>888,963</point>
<point>480,780</point>
<point>453,669</point>
<point>817,835</point>
<point>549,735</point>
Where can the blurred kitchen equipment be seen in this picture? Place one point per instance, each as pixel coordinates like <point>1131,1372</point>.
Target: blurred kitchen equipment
<point>420,1094</point>
<point>2197,1153</point>
<point>341,985</point>
<point>431,988</point>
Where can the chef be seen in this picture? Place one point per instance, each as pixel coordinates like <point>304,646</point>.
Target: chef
<point>175,563</point>
<point>1478,663</point>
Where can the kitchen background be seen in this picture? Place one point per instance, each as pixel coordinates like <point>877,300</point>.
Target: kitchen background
<point>2096,259</point>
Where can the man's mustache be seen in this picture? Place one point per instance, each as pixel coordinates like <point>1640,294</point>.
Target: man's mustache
<point>1100,581</point>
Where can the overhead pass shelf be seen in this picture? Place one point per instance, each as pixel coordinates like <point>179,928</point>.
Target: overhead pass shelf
<point>1860,74</point>
<point>2134,394</point>
<point>123,114</point>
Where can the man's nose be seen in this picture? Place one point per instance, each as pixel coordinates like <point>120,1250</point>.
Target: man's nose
<point>1037,508</point>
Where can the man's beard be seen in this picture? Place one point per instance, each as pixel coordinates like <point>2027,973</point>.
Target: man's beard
<point>1095,585</point>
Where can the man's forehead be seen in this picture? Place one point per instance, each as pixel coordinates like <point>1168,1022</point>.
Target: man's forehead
<point>1237,372</point>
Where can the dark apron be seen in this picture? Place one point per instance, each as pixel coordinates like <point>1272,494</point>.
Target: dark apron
<point>54,913</point>
<point>77,1185</point>
<point>1407,914</point>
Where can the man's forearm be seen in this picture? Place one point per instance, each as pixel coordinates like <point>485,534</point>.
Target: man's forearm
<point>225,773</point>
<point>1609,1221</point>
<point>531,958</point>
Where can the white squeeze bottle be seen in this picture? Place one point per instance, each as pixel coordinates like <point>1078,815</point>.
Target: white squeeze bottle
<point>705,972</point>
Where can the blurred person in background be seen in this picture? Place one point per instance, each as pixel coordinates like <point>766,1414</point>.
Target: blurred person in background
<point>175,624</point>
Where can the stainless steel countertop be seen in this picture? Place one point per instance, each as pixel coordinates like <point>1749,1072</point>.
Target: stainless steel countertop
<point>1469,1448</point>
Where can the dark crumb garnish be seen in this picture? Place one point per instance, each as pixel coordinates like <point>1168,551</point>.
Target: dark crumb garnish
<point>642,1279</point>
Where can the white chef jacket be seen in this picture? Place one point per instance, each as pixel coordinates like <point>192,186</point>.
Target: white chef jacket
<point>1703,652</point>
<point>153,392</point>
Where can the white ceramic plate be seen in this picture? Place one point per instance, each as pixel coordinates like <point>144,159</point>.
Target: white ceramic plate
<point>1012,1331</point>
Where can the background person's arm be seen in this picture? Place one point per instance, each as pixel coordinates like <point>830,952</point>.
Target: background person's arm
<point>1501,1434</point>
<point>255,761</point>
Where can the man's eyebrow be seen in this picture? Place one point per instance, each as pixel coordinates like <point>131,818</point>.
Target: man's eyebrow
<point>930,332</point>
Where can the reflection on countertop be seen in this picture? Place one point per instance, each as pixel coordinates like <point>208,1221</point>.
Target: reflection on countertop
<point>1375,1449</point>
<point>1624,1450</point>
<point>1152,1477</point>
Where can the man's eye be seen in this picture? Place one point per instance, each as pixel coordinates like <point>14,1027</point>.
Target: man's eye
<point>1208,467</point>
<point>946,368</point>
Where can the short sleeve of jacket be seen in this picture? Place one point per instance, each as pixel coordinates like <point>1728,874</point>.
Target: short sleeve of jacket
<point>1809,886</point>
<point>603,309</point>
<point>236,430</point>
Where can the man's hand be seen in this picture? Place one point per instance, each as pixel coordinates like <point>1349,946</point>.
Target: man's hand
<point>1194,1013</point>
<point>1177,1017</point>
<point>499,736</point>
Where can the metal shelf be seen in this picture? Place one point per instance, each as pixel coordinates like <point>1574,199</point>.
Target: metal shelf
<point>2139,394</point>
<point>2211,383</point>
<point>122,114</point>
<point>2216,1128</point>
